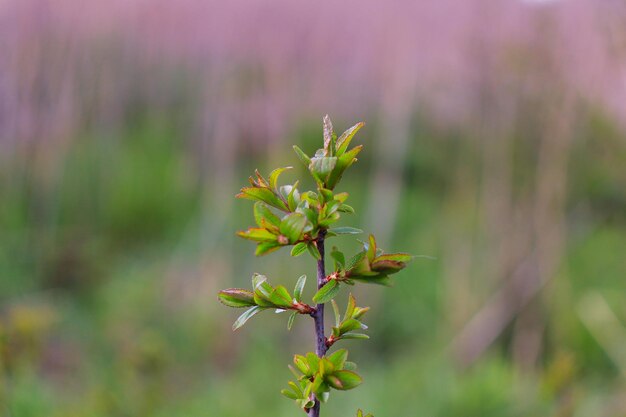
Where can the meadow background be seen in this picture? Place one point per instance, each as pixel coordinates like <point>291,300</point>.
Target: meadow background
<point>494,142</point>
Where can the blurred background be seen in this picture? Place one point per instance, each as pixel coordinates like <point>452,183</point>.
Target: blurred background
<point>494,142</point>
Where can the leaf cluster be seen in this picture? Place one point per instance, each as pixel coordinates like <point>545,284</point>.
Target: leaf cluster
<point>318,376</point>
<point>264,296</point>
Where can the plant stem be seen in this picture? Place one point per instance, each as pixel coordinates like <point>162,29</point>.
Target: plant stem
<point>318,317</point>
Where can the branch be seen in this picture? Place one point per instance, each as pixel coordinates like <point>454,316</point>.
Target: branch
<point>318,316</point>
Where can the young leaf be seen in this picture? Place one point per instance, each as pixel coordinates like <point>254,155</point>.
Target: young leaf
<point>280,297</point>
<point>257,234</point>
<point>350,308</point>
<point>397,257</point>
<point>328,135</point>
<point>349,325</point>
<point>247,315</point>
<point>236,297</point>
<point>298,249</point>
<point>371,248</point>
<point>291,319</point>
<point>264,248</point>
<point>322,167</point>
<point>297,292</point>
<point>345,208</point>
<point>338,257</point>
<point>336,311</point>
<point>355,260</point>
<point>313,361</point>
<point>343,163</point>
<point>346,137</point>
<point>302,365</point>
<point>292,226</point>
<point>293,198</point>
<point>312,248</point>
<point>387,266</point>
<point>263,194</point>
<point>274,176</point>
<point>345,380</point>
<point>346,230</point>
<point>359,336</point>
<point>289,394</point>
<point>263,214</point>
<point>359,311</point>
<point>302,156</point>
<point>326,194</point>
<point>338,358</point>
<point>327,292</point>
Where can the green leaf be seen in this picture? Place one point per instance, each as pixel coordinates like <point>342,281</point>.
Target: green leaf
<point>291,319</point>
<point>298,249</point>
<point>263,194</point>
<point>280,297</point>
<point>346,137</point>
<point>345,208</point>
<point>247,315</point>
<point>289,394</point>
<point>328,136</point>
<point>338,257</point>
<point>341,197</point>
<point>313,361</point>
<point>344,380</point>
<point>359,312</point>
<point>302,365</point>
<point>338,358</point>
<point>321,168</point>
<point>297,292</point>
<point>236,297</point>
<point>346,230</point>
<point>373,278</point>
<point>349,325</point>
<point>327,292</point>
<point>397,257</point>
<point>257,234</point>
<point>316,387</point>
<point>360,336</point>
<point>350,308</point>
<point>336,311</point>
<point>264,248</point>
<point>292,226</point>
<point>302,156</point>
<point>262,291</point>
<point>343,163</point>
<point>327,195</point>
<point>275,174</point>
<point>262,212</point>
<point>371,248</point>
<point>355,260</point>
<point>311,198</point>
<point>387,267</point>
<point>312,248</point>
<point>293,198</point>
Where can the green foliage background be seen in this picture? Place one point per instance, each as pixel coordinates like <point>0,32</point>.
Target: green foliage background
<point>110,273</point>
<point>494,143</point>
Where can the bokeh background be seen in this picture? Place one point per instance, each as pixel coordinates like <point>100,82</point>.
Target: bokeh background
<point>495,143</point>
